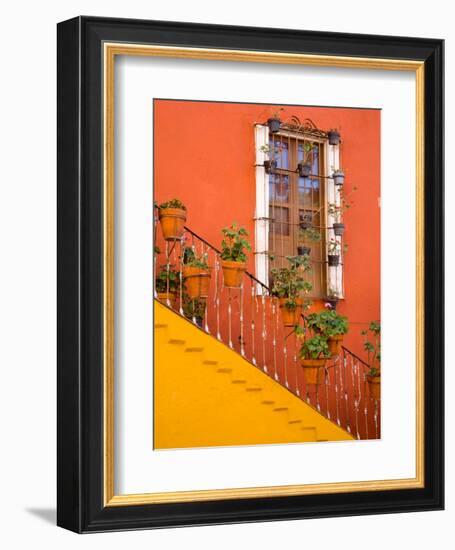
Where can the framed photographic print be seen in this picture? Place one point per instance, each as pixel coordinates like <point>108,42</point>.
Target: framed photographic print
<point>250,274</point>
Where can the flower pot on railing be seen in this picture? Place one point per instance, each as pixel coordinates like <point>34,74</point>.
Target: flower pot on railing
<point>274,124</point>
<point>333,259</point>
<point>334,137</point>
<point>334,343</point>
<point>313,370</point>
<point>338,177</point>
<point>304,169</point>
<point>233,273</point>
<point>197,281</point>
<point>167,298</point>
<point>172,222</point>
<point>374,386</point>
<point>270,166</point>
<point>303,250</point>
<point>338,229</point>
<point>291,311</point>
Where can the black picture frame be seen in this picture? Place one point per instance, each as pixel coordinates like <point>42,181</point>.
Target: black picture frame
<point>80,282</point>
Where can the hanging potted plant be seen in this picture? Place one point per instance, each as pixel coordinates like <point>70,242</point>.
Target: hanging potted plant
<point>338,177</point>
<point>330,324</point>
<point>305,220</point>
<point>334,250</point>
<point>372,345</point>
<point>172,216</point>
<point>332,298</point>
<point>334,136</point>
<point>196,274</point>
<point>272,152</point>
<point>233,256</point>
<point>304,167</point>
<point>194,309</point>
<point>304,250</point>
<point>336,210</point>
<point>313,356</point>
<point>288,285</point>
<point>167,285</point>
<point>274,121</point>
<point>307,234</point>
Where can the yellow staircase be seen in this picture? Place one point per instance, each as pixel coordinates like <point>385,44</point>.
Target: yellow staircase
<point>206,395</point>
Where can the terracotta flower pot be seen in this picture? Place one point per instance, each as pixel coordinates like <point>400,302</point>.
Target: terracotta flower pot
<point>374,386</point>
<point>167,298</point>
<point>172,222</point>
<point>233,273</point>
<point>313,370</point>
<point>197,281</point>
<point>291,317</point>
<point>334,259</point>
<point>334,343</point>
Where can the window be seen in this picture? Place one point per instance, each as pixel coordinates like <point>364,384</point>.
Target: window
<point>287,203</point>
<point>297,203</point>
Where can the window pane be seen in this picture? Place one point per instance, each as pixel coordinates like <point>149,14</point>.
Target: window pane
<point>315,163</point>
<point>308,192</point>
<point>279,217</point>
<point>279,188</point>
<point>281,151</point>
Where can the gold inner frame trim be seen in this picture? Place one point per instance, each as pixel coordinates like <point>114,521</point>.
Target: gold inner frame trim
<point>111,50</point>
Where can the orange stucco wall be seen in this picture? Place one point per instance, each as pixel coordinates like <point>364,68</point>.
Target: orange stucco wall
<point>204,154</point>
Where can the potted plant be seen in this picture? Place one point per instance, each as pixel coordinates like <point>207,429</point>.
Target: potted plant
<point>372,345</point>
<point>334,136</point>
<point>304,167</point>
<point>338,177</point>
<point>313,355</point>
<point>270,163</point>
<point>194,309</point>
<point>233,256</point>
<point>304,250</point>
<point>167,284</point>
<point>274,122</point>
<point>374,383</point>
<point>334,251</point>
<point>196,274</point>
<point>172,216</point>
<point>330,324</point>
<point>288,285</point>
<point>336,210</point>
<point>306,220</point>
<point>332,298</point>
<point>307,234</point>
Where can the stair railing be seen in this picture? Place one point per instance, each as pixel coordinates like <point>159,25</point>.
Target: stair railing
<point>248,320</point>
